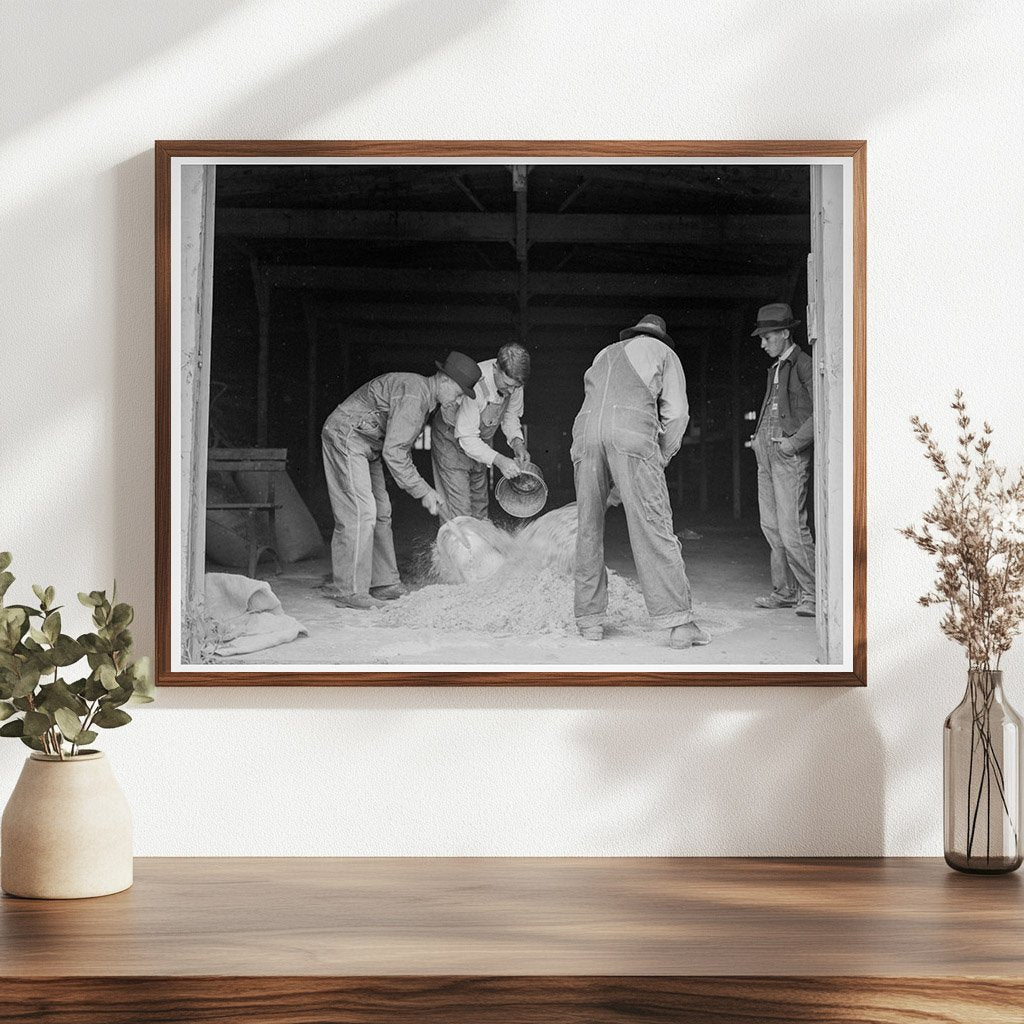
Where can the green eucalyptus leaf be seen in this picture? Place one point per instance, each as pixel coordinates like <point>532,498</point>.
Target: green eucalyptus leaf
<point>13,626</point>
<point>86,736</point>
<point>69,724</point>
<point>122,616</point>
<point>110,718</point>
<point>94,689</point>
<point>88,642</point>
<point>27,681</point>
<point>5,560</point>
<point>142,681</point>
<point>40,592</point>
<point>9,662</point>
<point>59,695</point>
<point>33,648</point>
<point>13,728</point>
<point>89,600</point>
<point>36,723</point>
<point>98,647</point>
<point>49,595</point>
<point>31,741</point>
<point>51,626</point>
<point>115,698</point>
<point>6,710</point>
<point>29,611</point>
<point>66,651</point>
<point>6,579</point>
<point>38,636</point>
<point>107,676</point>
<point>23,703</point>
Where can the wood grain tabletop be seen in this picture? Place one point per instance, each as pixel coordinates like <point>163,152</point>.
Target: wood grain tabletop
<point>499,917</point>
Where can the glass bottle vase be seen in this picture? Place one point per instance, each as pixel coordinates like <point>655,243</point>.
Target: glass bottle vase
<point>981,774</point>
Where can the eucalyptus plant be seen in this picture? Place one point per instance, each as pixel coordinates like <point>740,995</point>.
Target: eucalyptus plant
<point>45,711</point>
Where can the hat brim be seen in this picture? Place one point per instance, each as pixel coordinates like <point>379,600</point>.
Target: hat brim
<point>759,330</point>
<point>653,332</point>
<point>468,392</point>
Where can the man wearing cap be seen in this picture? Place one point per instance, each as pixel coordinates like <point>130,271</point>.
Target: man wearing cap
<point>631,424</point>
<point>379,424</point>
<point>783,441</point>
<point>462,435</point>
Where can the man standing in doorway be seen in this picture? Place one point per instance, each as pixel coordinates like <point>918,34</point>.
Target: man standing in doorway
<point>462,436</point>
<point>631,424</point>
<point>379,424</point>
<point>783,444</point>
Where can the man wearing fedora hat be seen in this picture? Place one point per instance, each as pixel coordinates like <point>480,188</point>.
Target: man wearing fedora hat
<point>378,424</point>
<point>462,435</point>
<point>631,424</point>
<point>783,440</point>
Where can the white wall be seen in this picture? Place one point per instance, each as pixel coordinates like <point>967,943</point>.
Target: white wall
<point>936,88</point>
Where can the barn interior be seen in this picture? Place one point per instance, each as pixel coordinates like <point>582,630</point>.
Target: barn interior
<point>326,275</point>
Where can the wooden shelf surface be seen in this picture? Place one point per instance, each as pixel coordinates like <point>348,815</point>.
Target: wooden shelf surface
<point>377,938</point>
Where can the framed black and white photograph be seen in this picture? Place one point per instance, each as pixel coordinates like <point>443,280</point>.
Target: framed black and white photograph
<point>492,413</point>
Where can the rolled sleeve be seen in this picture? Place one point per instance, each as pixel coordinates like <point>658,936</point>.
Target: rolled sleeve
<point>467,432</point>
<point>511,422</point>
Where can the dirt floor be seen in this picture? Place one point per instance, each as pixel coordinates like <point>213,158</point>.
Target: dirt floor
<point>524,618</point>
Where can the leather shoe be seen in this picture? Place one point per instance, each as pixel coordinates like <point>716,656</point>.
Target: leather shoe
<point>592,632</point>
<point>688,635</point>
<point>774,600</point>
<point>389,592</point>
<point>805,609</point>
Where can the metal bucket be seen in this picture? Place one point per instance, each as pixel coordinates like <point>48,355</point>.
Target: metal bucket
<point>524,496</point>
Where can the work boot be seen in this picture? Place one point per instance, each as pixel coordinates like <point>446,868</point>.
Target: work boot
<point>688,635</point>
<point>389,592</point>
<point>592,632</point>
<point>774,600</point>
<point>805,608</point>
<point>360,601</point>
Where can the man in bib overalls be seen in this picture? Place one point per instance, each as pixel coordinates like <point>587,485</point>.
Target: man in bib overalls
<point>631,424</point>
<point>462,435</point>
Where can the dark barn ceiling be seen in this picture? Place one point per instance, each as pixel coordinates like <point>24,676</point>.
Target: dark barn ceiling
<point>387,266</point>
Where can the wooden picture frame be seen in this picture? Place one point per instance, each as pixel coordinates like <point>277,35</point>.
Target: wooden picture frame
<point>302,244</point>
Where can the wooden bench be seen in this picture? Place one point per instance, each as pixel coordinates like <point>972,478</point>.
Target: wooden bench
<point>251,460</point>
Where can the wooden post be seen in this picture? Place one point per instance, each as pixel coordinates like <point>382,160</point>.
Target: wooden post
<point>735,328</point>
<point>262,291</point>
<point>519,173</point>
<point>198,189</point>
<point>702,478</point>
<point>826,334</point>
<point>313,424</point>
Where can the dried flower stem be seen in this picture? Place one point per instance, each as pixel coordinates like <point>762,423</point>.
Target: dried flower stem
<point>975,530</point>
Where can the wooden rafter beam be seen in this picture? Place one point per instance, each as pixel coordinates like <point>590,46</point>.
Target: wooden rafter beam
<point>681,287</point>
<point>606,228</point>
<point>555,316</point>
<point>481,343</point>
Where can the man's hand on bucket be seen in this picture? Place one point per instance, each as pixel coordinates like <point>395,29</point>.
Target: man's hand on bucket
<point>522,455</point>
<point>509,469</point>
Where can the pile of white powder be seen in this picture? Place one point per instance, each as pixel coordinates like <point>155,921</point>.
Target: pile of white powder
<point>518,600</point>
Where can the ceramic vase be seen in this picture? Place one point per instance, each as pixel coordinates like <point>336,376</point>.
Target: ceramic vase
<point>66,831</point>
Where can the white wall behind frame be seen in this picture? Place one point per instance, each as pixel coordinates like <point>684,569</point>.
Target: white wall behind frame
<point>935,87</point>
